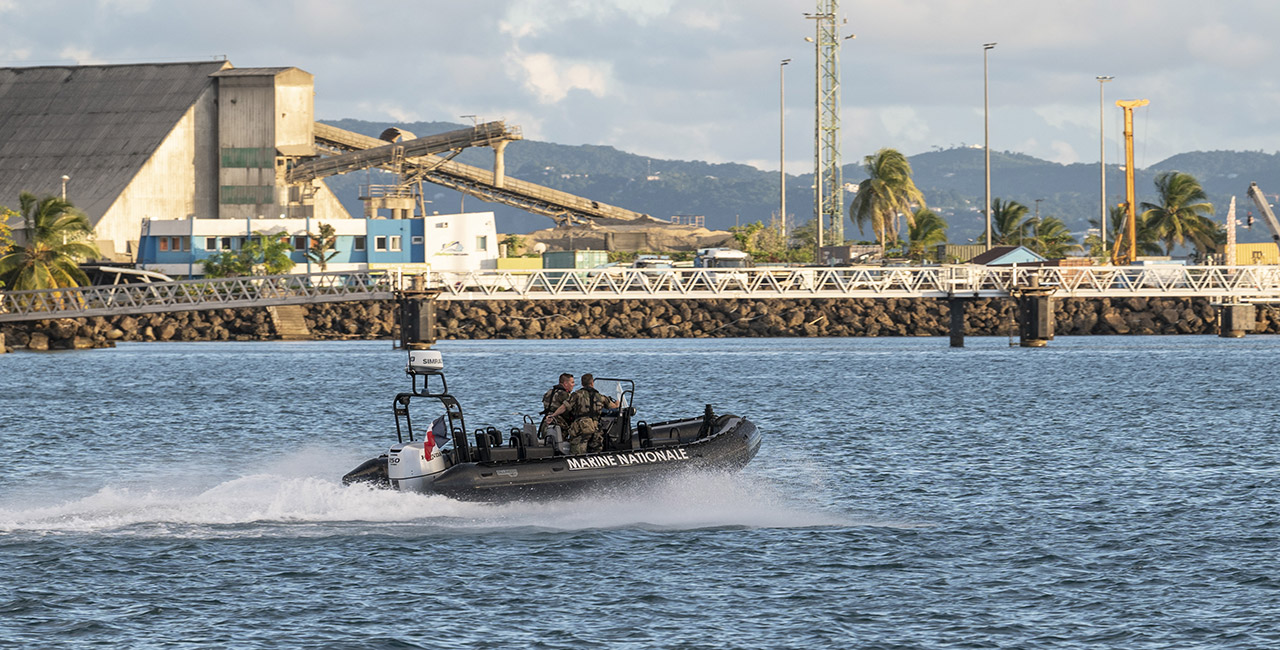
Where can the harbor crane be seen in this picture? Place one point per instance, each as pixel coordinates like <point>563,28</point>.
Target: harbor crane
<point>1125,250</point>
<point>1260,200</point>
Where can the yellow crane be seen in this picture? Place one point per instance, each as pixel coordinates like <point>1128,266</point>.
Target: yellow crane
<point>1126,239</point>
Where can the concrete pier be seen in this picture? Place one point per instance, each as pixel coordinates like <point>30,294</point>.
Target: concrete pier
<point>417,315</point>
<point>1035,313</point>
<point>957,307</point>
<point>1236,320</point>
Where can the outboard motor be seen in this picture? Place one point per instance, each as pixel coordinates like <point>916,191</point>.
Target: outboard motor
<point>409,469</point>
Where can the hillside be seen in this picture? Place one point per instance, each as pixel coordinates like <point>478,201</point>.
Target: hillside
<point>729,193</point>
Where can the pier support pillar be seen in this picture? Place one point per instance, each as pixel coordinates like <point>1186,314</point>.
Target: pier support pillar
<point>1236,320</point>
<point>499,163</point>
<point>417,315</point>
<point>957,307</point>
<point>1035,314</point>
<point>2,349</point>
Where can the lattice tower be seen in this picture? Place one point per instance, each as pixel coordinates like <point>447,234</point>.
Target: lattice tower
<point>829,190</point>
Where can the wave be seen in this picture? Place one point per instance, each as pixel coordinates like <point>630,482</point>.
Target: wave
<point>284,501</point>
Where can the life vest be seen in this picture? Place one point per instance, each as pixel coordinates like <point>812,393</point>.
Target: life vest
<point>587,407</point>
<point>549,397</point>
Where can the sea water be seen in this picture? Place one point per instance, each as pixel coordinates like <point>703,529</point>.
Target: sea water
<point>1115,492</point>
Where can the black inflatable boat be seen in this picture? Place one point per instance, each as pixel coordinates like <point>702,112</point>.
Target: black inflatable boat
<point>532,460</point>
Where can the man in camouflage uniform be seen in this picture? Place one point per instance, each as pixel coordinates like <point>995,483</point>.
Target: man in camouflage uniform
<point>554,397</point>
<point>585,406</point>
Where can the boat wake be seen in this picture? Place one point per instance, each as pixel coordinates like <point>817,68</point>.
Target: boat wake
<point>284,500</point>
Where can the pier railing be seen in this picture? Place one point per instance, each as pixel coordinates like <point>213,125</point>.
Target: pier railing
<point>186,295</point>
<point>1243,283</point>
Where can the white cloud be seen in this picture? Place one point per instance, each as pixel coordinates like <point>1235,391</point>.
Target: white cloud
<point>79,55</point>
<point>551,79</point>
<point>1219,45</point>
<point>904,123</point>
<point>1063,153</point>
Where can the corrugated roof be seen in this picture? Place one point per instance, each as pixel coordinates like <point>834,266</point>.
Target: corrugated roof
<point>96,124</point>
<point>250,72</point>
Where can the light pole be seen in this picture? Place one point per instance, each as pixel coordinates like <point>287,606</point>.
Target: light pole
<point>1102,158</point>
<point>782,144</point>
<point>986,137</point>
<point>817,129</point>
<point>65,178</point>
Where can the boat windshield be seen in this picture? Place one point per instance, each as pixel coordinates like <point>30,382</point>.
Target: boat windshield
<point>621,391</point>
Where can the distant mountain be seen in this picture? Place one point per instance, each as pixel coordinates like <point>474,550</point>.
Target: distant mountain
<point>729,193</point>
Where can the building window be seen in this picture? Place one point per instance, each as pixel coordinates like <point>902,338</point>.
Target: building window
<point>395,242</point>
<point>179,244</point>
<point>417,240</point>
<point>380,243</point>
<point>299,242</point>
<point>248,157</point>
<point>358,243</point>
<point>211,243</point>
<point>225,244</point>
<point>247,194</point>
<point>164,244</point>
<point>482,243</point>
<point>239,243</point>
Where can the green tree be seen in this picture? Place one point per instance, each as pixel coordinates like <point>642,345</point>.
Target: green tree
<point>225,264</point>
<point>268,254</point>
<point>54,232</point>
<point>1051,238</point>
<point>927,229</point>
<point>886,195</point>
<point>324,246</point>
<point>1180,216</point>
<point>514,244</point>
<point>6,233</point>
<point>1009,224</point>
<point>262,254</point>
<point>1148,238</point>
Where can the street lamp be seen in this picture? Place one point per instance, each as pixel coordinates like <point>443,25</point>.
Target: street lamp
<point>1102,158</point>
<point>782,145</point>
<point>986,137</point>
<point>65,178</point>
<point>817,128</point>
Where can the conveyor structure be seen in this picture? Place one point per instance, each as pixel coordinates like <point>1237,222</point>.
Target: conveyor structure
<point>421,163</point>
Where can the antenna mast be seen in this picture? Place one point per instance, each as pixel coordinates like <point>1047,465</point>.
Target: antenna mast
<point>828,175</point>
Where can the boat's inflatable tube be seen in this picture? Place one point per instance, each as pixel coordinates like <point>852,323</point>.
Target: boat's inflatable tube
<point>732,445</point>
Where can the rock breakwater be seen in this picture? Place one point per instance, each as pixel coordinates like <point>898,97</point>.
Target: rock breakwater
<point>641,319</point>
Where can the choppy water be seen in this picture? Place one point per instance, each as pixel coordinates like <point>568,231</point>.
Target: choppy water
<point>1103,492</point>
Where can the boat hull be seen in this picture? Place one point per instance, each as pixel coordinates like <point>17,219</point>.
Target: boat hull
<point>730,446</point>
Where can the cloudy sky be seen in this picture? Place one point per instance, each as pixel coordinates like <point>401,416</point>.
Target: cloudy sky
<point>699,79</point>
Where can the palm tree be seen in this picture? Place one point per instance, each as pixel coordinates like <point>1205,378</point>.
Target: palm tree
<point>1148,238</point>
<point>926,229</point>
<point>325,246</point>
<point>1179,217</point>
<point>53,232</point>
<point>1009,224</point>
<point>1051,238</point>
<point>886,194</point>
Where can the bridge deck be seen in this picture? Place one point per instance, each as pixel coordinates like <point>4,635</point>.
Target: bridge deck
<point>1246,283</point>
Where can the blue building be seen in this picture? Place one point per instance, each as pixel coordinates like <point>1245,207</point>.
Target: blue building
<point>451,242</point>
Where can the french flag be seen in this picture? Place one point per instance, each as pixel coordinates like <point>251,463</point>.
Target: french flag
<point>439,431</point>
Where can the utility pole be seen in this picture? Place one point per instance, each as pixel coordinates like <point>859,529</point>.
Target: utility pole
<point>1102,157</point>
<point>986,138</point>
<point>782,144</point>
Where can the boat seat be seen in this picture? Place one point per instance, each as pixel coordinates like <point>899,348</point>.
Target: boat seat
<point>504,453</point>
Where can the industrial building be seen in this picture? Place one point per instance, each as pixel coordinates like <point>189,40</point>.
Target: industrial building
<point>158,141</point>
<point>158,154</point>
